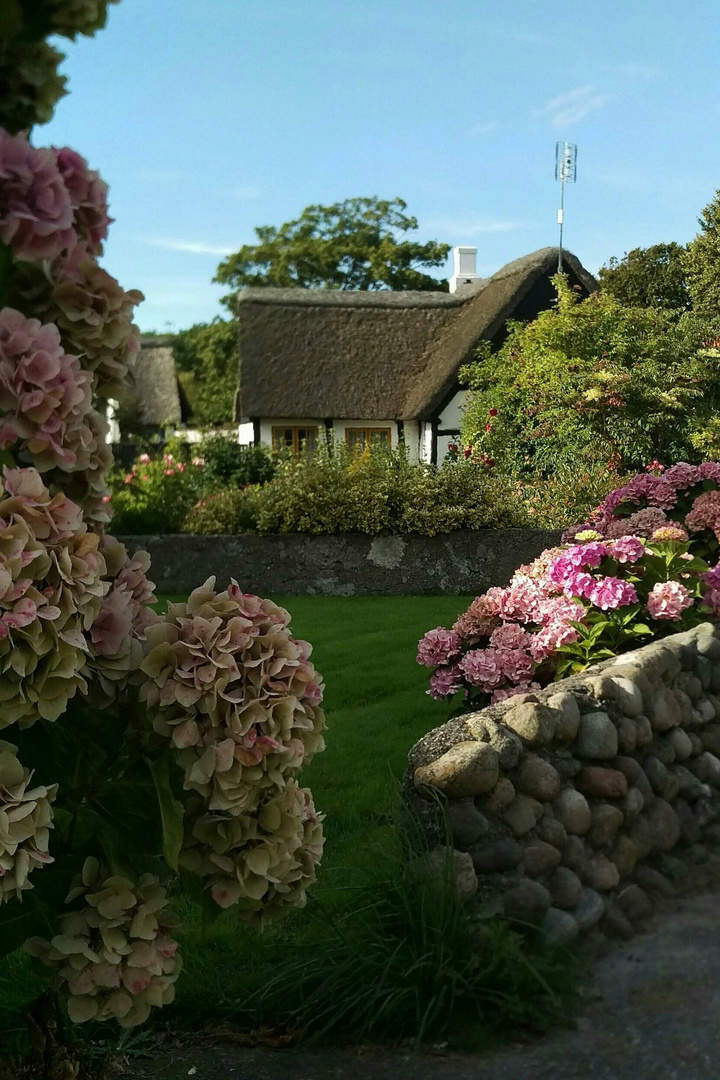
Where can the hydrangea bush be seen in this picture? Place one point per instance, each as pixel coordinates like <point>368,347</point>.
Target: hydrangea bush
<point>136,747</point>
<point>645,565</point>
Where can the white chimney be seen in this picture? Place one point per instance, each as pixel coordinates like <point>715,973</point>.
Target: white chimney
<point>463,268</point>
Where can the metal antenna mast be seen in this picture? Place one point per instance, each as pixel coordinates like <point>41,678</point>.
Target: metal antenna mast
<point>566,173</point>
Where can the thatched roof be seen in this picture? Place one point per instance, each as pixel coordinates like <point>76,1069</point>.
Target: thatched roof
<point>379,355</point>
<point>156,393</point>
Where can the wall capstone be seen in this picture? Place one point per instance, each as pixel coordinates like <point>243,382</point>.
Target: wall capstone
<point>567,802</point>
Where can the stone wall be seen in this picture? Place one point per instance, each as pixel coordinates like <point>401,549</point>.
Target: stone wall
<point>571,806</point>
<point>347,565</point>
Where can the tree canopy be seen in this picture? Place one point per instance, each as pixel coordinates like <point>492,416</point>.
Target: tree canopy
<point>595,381</point>
<point>354,244</point>
<point>648,277</point>
<point>206,359</point>
<point>702,262</point>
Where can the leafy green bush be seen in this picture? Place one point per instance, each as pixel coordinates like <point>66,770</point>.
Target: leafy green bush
<point>228,510</point>
<point>592,383</point>
<point>568,494</point>
<point>229,463</point>
<point>377,491</point>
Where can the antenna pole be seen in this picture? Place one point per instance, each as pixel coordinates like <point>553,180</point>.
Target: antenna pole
<point>560,216</point>
<point>566,173</point>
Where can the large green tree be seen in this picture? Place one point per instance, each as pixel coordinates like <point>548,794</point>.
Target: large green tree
<point>652,277</point>
<point>206,359</point>
<point>595,381</point>
<point>355,244</point>
<point>702,262</point>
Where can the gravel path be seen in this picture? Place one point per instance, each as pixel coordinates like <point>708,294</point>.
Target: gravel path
<point>655,1017</point>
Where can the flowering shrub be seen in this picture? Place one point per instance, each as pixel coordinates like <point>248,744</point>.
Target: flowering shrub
<point>114,953</point>
<point>638,569</point>
<point>135,743</point>
<point>594,382</point>
<point>157,493</point>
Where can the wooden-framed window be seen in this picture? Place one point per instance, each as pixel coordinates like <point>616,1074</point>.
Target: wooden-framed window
<point>297,439</point>
<point>357,438</point>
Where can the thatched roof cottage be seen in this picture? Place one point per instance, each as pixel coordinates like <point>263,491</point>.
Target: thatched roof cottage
<point>380,366</point>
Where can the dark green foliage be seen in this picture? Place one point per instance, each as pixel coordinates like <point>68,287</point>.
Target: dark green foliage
<point>207,353</point>
<point>233,465</point>
<point>408,959</point>
<point>648,277</point>
<point>702,262</point>
<point>355,244</point>
<point>30,84</point>
<point>593,382</point>
<point>109,794</point>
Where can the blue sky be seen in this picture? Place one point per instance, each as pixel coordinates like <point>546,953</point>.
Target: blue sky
<point>208,117</point>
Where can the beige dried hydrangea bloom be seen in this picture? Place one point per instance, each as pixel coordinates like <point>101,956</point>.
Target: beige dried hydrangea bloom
<point>114,956</point>
<point>115,641</point>
<point>235,693</point>
<point>92,311</point>
<point>25,822</point>
<point>265,861</point>
<point>51,586</point>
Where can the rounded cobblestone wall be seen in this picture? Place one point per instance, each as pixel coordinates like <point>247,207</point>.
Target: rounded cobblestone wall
<point>564,805</point>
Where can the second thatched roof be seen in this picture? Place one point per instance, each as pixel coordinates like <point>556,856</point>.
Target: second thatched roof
<point>156,394</point>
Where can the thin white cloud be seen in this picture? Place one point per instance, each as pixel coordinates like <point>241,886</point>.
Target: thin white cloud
<point>470,226</point>
<point>247,191</point>
<point>574,106</point>
<point>479,130</point>
<point>192,247</point>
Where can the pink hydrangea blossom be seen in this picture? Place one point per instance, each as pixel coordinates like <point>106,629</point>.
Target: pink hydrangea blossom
<point>44,393</point>
<point>579,583</point>
<point>549,639</point>
<point>682,476</point>
<point>438,646</point>
<point>611,592</point>
<point>36,217</point>
<point>88,198</point>
<point>509,636</point>
<point>628,549</point>
<point>538,567</point>
<point>668,599</point>
<point>710,470</point>
<point>642,523</point>
<point>478,621</point>
<point>561,609</point>
<point>483,668</point>
<point>445,682</point>
<point>521,600</point>
<point>712,577</point>
<point>517,664</point>
<point>705,513</point>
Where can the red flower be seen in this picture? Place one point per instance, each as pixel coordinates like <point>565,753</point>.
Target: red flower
<point>492,412</point>
<point>467,451</point>
<point>488,427</point>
